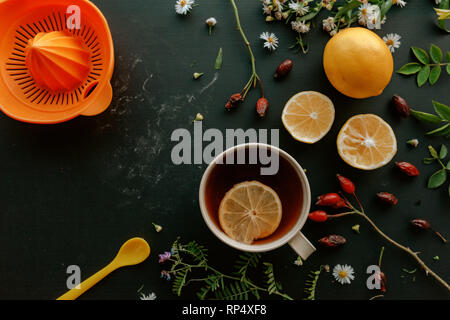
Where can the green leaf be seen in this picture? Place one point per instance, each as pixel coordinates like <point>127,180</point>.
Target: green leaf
<point>434,74</point>
<point>385,7</point>
<point>410,68</point>
<point>447,56</point>
<point>425,117</point>
<point>421,55</point>
<point>219,60</point>
<point>448,165</point>
<point>448,68</point>
<point>443,152</point>
<point>423,75</point>
<point>428,160</point>
<point>433,152</point>
<point>442,110</point>
<point>437,179</point>
<point>349,6</point>
<point>442,131</point>
<point>435,53</point>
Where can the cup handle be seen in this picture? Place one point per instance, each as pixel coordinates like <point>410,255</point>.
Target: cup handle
<point>302,246</point>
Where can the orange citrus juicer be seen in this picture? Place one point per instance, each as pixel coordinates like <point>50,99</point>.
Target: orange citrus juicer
<point>56,59</point>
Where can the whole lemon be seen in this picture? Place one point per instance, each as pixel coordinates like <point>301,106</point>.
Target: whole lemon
<point>358,63</point>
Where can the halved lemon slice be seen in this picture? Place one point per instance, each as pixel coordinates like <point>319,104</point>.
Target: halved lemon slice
<point>308,116</point>
<point>250,211</point>
<point>366,142</point>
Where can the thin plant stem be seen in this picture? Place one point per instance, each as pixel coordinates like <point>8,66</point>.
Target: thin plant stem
<point>407,250</point>
<point>381,257</point>
<point>254,78</point>
<point>217,272</point>
<point>398,245</point>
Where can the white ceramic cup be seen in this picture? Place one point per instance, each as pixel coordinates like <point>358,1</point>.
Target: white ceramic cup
<point>293,236</point>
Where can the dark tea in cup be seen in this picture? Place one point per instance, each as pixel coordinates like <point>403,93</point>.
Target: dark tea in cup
<point>232,168</point>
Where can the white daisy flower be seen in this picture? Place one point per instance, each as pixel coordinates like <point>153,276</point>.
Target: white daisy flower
<point>271,40</point>
<point>328,24</point>
<point>211,22</point>
<point>150,296</point>
<point>184,6</point>
<point>300,26</point>
<point>365,11</point>
<point>343,273</point>
<point>400,3</point>
<point>392,41</point>
<point>299,8</point>
<point>374,21</point>
<point>277,5</point>
<point>266,9</point>
<point>438,1</point>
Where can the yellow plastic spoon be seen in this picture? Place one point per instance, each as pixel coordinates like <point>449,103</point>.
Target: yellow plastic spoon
<point>132,252</point>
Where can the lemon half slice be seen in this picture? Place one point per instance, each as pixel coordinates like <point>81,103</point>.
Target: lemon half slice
<point>366,142</point>
<point>250,211</point>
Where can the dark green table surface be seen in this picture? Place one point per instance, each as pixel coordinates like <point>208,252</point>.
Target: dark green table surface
<point>73,193</point>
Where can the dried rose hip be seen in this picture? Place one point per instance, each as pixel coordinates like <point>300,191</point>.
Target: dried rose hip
<point>425,225</point>
<point>421,224</point>
<point>262,105</point>
<point>346,184</point>
<point>233,101</point>
<point>332,240</point>
<point>401,106</point>
<point>283,69</point>
<point>318,216</point>
<point>408,168</point>
<point>387,198</point>
<point>329,199</point>
<point>340,204</point>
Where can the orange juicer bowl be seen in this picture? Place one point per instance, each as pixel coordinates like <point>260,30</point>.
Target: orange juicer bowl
<point>51,73</point>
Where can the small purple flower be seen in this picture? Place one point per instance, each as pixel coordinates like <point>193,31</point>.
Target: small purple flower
<point>164,257</point>
<point>165,275</point>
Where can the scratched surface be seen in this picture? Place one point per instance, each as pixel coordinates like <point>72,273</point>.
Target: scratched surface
<point>73,193</point>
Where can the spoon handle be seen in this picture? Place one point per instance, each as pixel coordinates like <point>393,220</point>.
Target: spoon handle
<point>88,283</point>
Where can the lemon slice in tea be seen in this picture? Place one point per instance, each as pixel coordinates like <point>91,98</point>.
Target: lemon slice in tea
<point>250,211</point>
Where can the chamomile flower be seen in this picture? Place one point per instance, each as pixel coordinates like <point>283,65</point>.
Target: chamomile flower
<point>271,40</point>
<point>300,26</point>
<point>277,5</point>
<point>374,21</point>
<point>299,8</point>
<point>400,3</point>
<point>328,24</point>
<point>343,273</point>
<point>365,12</point>
<point>184,6</point>
<point>392,41</point>
<point>150,296</point>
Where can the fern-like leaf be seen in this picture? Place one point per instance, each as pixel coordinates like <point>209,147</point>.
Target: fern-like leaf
<point>272,284</point>
<point>311,284</point>
<point>235,291</point>
<point>179,281</point>
<point>245,261</point>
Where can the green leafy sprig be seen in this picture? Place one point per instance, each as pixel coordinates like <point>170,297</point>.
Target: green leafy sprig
<point>429,67</point>
<point>439,177</point>
<point>311,284</point>
<point>441,117</point>
<point>191,259</point>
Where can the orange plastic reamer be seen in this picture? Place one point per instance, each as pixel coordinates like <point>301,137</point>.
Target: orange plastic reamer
<point>56,58</point>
